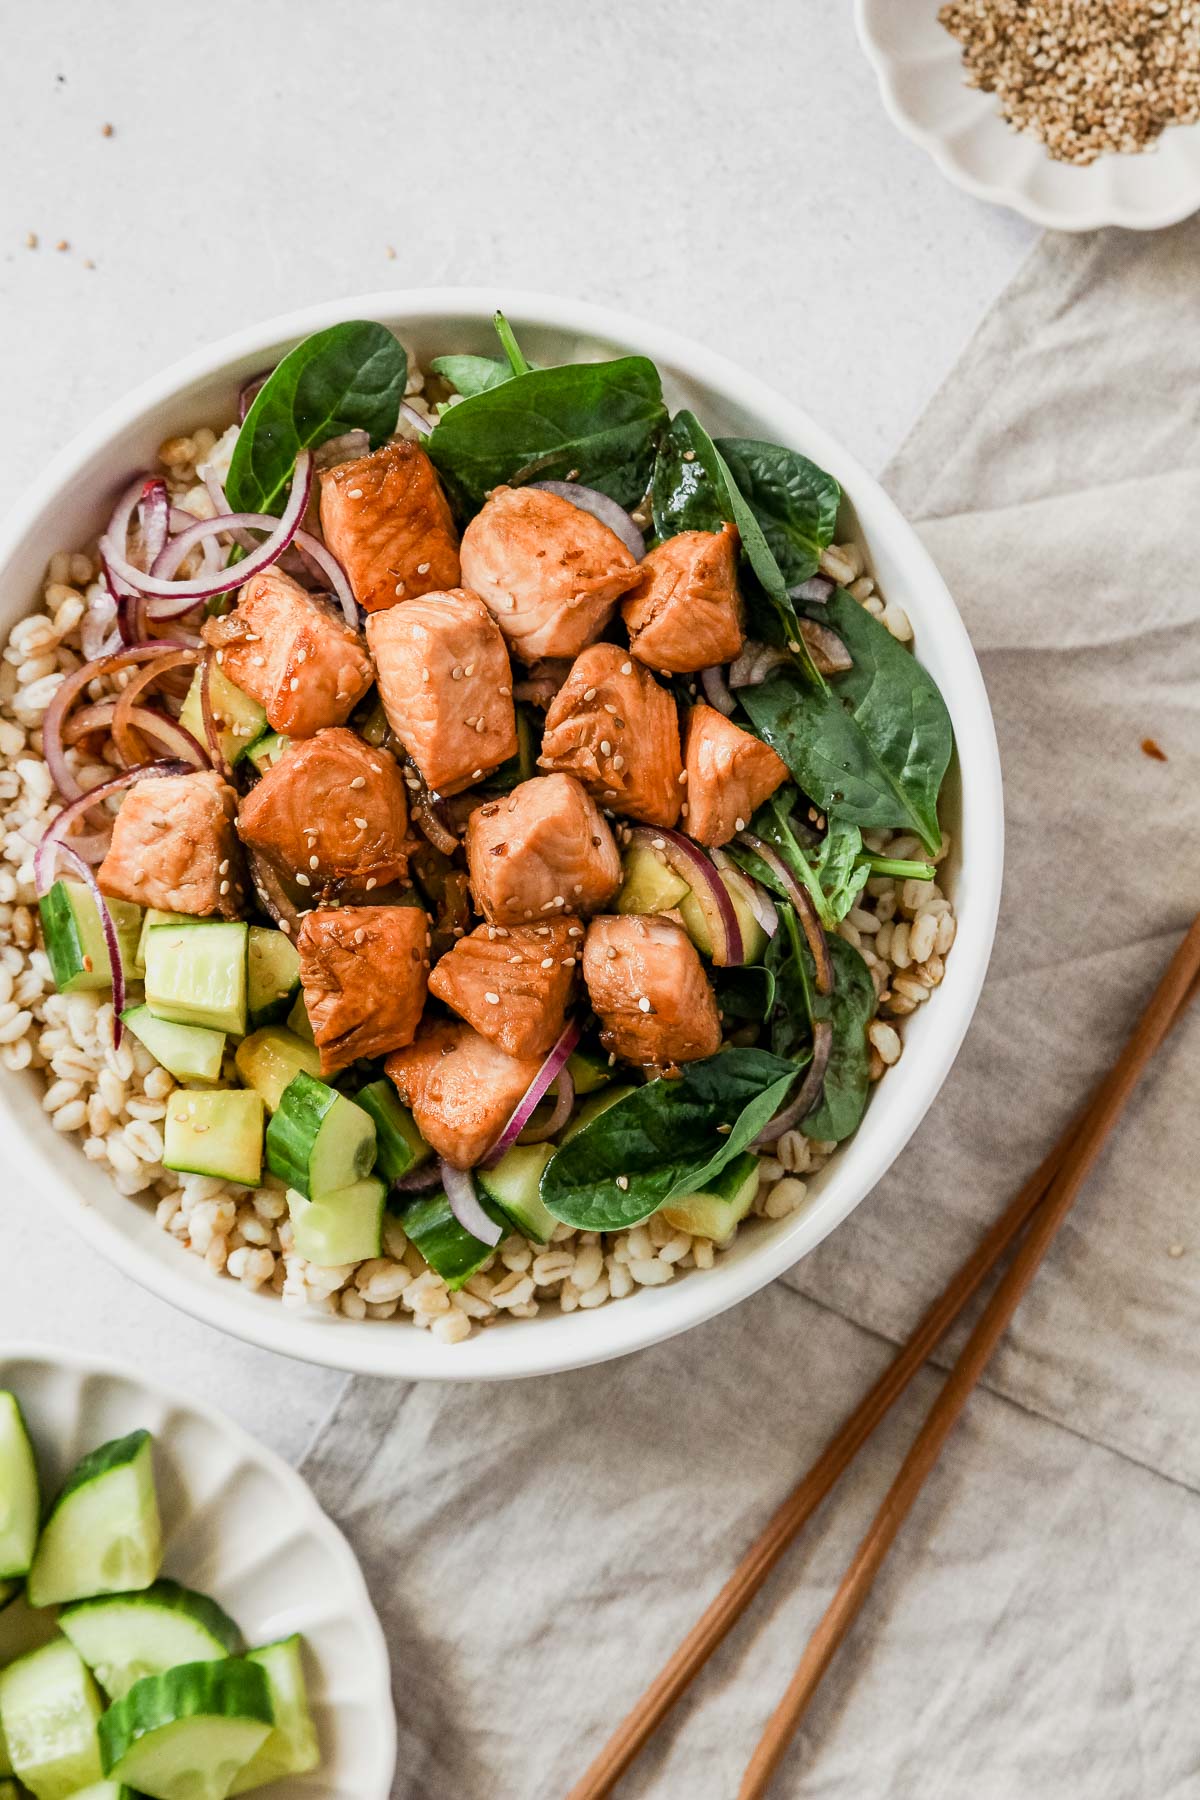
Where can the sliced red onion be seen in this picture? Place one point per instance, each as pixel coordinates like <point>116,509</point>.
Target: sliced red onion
<point>590,500</point>
<point>712,680</point>
<point>826,648</point>
<point>702,876</point>
<point>417,420</point>
<point>802,900</point>
<point>68,689</point>
<point>314,550</point>
<point>343,448</point>
<point>176,740</point>
<point>760,902</point>
<point>816,590</point>
<point>431,825</point>
<point>154,516</point>
<point>421,1180</point>
<point>98,633</point>
<point>111,941</point>
<point>464,1204</point>
<point>808,1094</point>
<point>564,1081</point>
<point>755,663</point>
<point>248,393</point>
<point>55,840</point>
<point>550,1070</point>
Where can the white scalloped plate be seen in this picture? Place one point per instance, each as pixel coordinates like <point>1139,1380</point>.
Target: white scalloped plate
<point>238,1524</point>
<point>924,90</point>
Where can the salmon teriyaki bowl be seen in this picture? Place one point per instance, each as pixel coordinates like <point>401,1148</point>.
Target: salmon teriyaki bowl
<point>501,817</point>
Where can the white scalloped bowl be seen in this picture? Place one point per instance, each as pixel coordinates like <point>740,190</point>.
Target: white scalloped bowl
<point>924,90</point>
<point>69,504</point>
<point>238,1524</point>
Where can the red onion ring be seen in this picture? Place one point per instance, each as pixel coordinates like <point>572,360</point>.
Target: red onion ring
<point>590,500</point>
<point>712,680</point>
<point>464,1204</point>
<point>421,1180</point>
<point>154,516</point>
<point>816,590</point>
<point>127,699</point>
<point>755,663</point>
<point>760,902</point>
<point>53,842</point>
<point>802,900</point>
<point>826,648</point>
<point>248,393</point>
<point>712,896</point>
<point>564,1081</point>
<point>68,688</point>
<point>314,550</point>
<point>811,1089</point>
<point>111,942</point>
<point>417,420</point>
<point>176,740</point>
<point>553,1066</point>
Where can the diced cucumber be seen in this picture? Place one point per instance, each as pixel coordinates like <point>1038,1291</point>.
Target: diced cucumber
<point>240,721</point>
<point>292,1748</point>
<point>215,1132</point>
<point>185,1734</point>
<point>152,916</point>
<point>20,1495</point>
<point>268,750</point>
<point>299,1021</point>
<point>272,975</point>
<point>717,1212</point>
<point>399,1146</point>
<point>449,1248</point>
<point>318,1141</point>
<point>267,1060</point>
<point>49,1706</point>
<point>102,1535</point>
<point>591,1109</point>
<point>754,938</point>
<point>189,1052</point>
<point>196,974</point>
<point>650,884</point>
<point>125,1637</point>
<point>589,1070</point>
<point>74,936</point>
<point>343,1226</point>
<point>513,1185</point>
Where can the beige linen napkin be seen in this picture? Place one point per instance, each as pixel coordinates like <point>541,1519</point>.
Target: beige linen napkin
<point>536,1550</point>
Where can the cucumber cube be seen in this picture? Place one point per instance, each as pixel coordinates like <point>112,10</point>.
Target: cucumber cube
<point>74,936</point>
<point>292,1748</point>
<point>268,750</point>
<point>299,1021</point>
<point>449,1248</point>
<point>343,1226</point>
<point>196,974</point>
<point>186,1734</point>
<point>125,1637</point>
<point>189,1052</point>
<point>240,721</point>
<point>272,975</point>
<point>318,1141</point>
<point>267,1060</point>
<point>514,1183</point>
<point>49,1707</point>
<point>154,915</point>
<point>20,1497</point>
<point>399,1145</point>
<point>217,1133</point>
<point>718,1211</point>
<point>102,1535</point>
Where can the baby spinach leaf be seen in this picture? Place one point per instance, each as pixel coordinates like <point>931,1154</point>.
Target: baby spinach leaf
<point>793,501</point>
<point>472,374</point>
<point>665,1139</point>
<point>596,423</point>
<point>849,1009</point>
<point>510,346</point>
<point>350,377</point>
<point>745,993</point>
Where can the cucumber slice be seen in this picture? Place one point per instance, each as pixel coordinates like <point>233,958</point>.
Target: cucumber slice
<point>449,1249</point>
<point>240,721</point>
<point>154,915</point>
<point>189,1052</point>
<point>49,1706</point>
<point>215,1132</point>
<point>318,1141</point>
<point>185,1734</point>
<point>267,1060</point>
<point>718,1211</point>
<point>272,975</point>
<point>299,1021</point>
<point>20,1496</point>
<point>292,1748</point>
<point>513,1185</point>
<point>125,1637</point>
<point>650,885</point>
<point>754,938</point>
<point>344,1225</point>
<point>589,1071</point>
<point>268,750</point>
<point>74,937</point>
<point>591,1109</point>
<point>196,974</point>
<point>102,1535</point>
<point>399,1146</point>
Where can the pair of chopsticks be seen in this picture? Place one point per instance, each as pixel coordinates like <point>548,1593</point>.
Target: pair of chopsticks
<point>1041,1206</point>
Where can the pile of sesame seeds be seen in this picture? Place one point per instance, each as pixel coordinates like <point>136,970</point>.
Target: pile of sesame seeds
<point>1086,77</point>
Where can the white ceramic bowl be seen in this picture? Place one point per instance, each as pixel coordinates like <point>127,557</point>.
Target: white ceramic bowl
<point>924,90</point>
<point>69,504</point>
<point>238,1524</point>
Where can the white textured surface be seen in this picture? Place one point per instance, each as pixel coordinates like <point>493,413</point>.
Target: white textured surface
<point>730,173</point>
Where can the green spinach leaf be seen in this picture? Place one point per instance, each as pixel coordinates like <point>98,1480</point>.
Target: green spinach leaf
<point>849,1009</point>
<point>664,1140</point>
<point>794,502</point>
<point>745,993</point>
<point>472,374</point>
<point>832,870</point>
<point>348,378</point>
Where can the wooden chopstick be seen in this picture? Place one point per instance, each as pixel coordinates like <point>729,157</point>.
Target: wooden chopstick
<point>1173,993</point>
<point>728,1605</point>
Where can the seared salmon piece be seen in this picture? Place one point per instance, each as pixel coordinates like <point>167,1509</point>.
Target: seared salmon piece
<point>363,970</point>
<point>549,572</point>
<point>648,987</point>
<point>512,983</point>
<point>611,725</point>
<point>386,519</point>
<point>331,814</point>
<point>174,846</point>
<point>292,654</point>
<point>542,850</point>
<point>462,1089</point>
<point>729,775</point>
<point>686,611</point>
<point>446,686</point>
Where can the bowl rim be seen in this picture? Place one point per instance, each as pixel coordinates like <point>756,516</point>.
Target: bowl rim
<point>656,1314</point>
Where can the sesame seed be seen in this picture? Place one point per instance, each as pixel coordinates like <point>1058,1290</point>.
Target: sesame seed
<point>547,962</point>
<point>739,824</point>
<point>689,456</point>
<point>354,493</point>
<point>223,867</point>
<point>361,823</point>
<point>611,953</point>
<point>293,684</point>
<point>659,843</point>
<point>643,1004</point>
<point>605,747</point>
<point>422,568</point>
<point>258,662</point>
<point>424,674</point>
<point>359,935</point>
<point>314,862</point>
<point>575,931</point>
<point>481,724</point>
<point>371,883</point>
<point>618,763</point>
<point>492,999</point>
<point>302,878</point>
<point>456,673</point>
<point>793,646</point>
<point>301,656</point>
<point>470,669</point>
<point>285,927</point>
<point>502,689</point>
<point>627,668</point>
<point>623,1183</point>
<point>360,781</point>
<point>477,775</point>
<point>682,777</point>
<point>400,587</point>
<point>590,694</point>
<point>224,888</point>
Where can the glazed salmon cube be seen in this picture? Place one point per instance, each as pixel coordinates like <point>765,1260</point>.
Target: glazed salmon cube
<point>462,1089</point>
<point>649,990</point>
<point>617,730</point>
<point>729,775</point>
<point>174,846</point>
<point>330,815</point>
<point>512,983</point>
<point>686,611</point>
<point>446,686</point>
<point>549,572</point>
<point>386,519</point>
<point>292,654</point>
<point>363,970</point>
<point>545,849</point>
